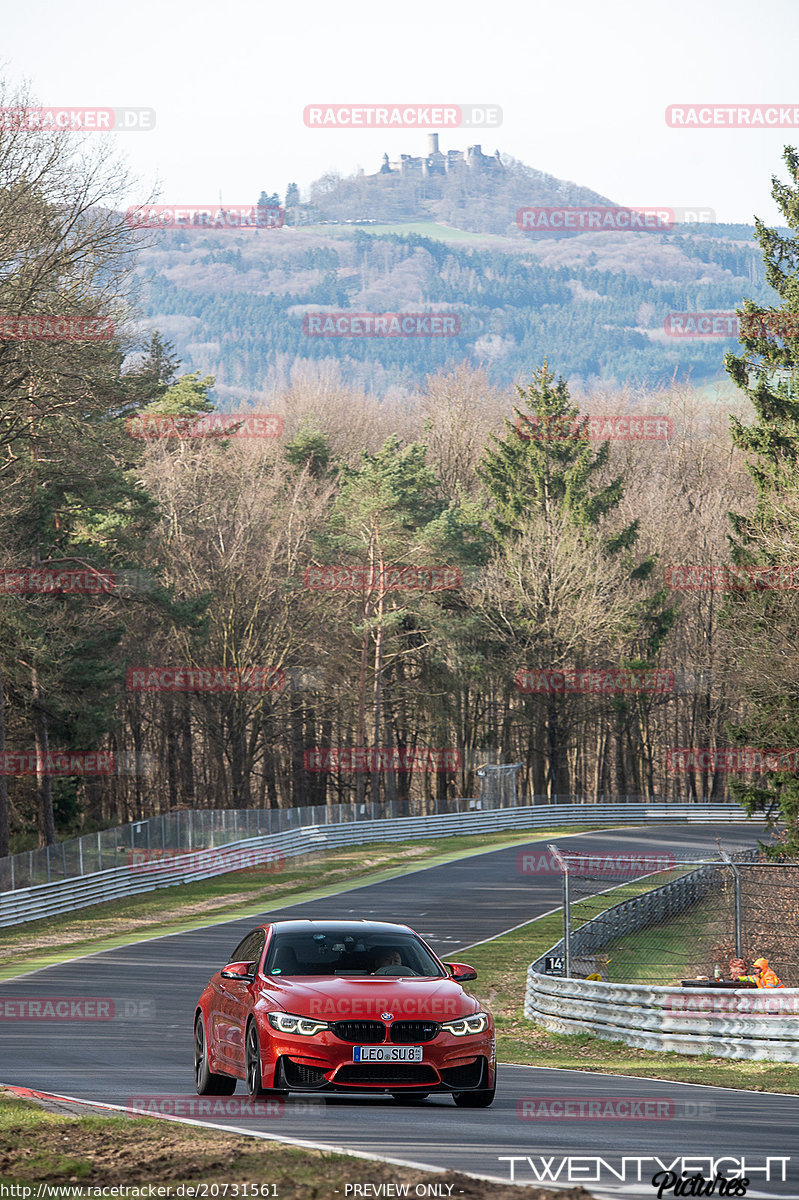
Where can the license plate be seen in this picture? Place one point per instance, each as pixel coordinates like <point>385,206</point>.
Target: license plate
<point>387,1054</point>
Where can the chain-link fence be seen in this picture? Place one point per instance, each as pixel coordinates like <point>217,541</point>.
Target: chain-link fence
<point>665,917</point>
<point>199,829</point>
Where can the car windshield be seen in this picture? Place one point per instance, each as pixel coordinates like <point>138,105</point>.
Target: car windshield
<point>344,952</point>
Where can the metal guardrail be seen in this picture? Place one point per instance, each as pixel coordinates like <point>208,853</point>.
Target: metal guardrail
<point>740,1023</point>
<point>145,875</point>
<point>735,1023</point>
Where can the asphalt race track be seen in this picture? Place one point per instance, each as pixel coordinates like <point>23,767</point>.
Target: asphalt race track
<point>146,1049</point>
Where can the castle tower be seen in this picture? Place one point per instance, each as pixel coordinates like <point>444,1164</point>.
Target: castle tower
<point>432,143</point>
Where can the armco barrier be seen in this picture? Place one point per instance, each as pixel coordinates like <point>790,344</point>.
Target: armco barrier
<point>44,900</point>
<point>647,1017</point>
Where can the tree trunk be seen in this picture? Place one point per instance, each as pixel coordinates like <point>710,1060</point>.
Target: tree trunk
<point>378,697</point>
<point>186,753</point>
<point>267,726</point>
<point>360,737</point>
<point>299,781</point>
<point>5,832</point>
<point>171,752</point>
<point>44,787</point>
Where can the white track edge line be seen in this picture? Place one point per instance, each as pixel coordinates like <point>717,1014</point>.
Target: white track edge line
<point>716,1087</point>
<point>257,1133</point>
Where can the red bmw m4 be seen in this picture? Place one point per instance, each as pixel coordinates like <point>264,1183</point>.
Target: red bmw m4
<point>343,1007</point>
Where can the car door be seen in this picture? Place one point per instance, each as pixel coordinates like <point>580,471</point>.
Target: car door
<point>236,1001</point>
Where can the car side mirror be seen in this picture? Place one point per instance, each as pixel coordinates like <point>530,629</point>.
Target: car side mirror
<point>460,972</point>
<point>238,970</point>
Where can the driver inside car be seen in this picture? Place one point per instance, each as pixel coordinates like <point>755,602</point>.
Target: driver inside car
<point>387,958</point>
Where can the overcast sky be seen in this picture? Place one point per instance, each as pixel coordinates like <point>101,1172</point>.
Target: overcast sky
<point>583,87</point>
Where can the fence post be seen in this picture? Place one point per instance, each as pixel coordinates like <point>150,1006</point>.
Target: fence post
<point>737,876</point>
<point>564,866</point>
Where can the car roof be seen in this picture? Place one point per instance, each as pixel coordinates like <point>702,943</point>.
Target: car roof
<point>340,926</point>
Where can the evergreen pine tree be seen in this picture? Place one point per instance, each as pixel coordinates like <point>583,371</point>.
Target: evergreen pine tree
<point>763,617</point>
<point>549,506</point>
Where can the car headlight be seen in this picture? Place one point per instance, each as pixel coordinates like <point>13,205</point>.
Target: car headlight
<point>289,1023</point>
<point>465,1025</point>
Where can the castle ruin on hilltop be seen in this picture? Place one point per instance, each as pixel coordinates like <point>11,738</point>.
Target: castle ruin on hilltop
<point>437,163</point>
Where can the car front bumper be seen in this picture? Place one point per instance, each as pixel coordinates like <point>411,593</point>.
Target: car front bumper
<point>448,1065</point>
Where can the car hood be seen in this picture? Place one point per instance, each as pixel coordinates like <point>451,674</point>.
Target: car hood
<point>353,999</point>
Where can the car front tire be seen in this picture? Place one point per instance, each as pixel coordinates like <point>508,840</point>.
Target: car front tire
<point>255,1088</point>
<point>206,1082</point>
<point>480,1099</point>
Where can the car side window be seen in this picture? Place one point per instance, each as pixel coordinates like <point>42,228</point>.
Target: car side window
<point>249,949</point>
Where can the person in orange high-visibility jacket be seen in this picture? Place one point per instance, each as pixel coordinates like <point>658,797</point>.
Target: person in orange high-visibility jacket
<point>764,976</point>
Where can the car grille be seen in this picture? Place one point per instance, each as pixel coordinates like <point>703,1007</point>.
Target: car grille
<point>469,1075</point>
<point>414,1031</point>
<point>402,1033</point>
<point>299,1075</point>
<point>386,1073</point>
<point>360,1031</point>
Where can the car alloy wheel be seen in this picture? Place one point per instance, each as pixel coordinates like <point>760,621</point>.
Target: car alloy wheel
<point>254,1087</point>
<point>206,1082</point>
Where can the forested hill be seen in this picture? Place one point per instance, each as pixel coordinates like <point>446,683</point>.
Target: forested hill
<point>593,304</point>
<point>480,201</point>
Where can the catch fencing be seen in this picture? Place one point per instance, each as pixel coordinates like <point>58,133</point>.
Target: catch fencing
<point>733,907</point>
<point>673,912</point>
<point>199,829</point>
<point>146,866</point>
